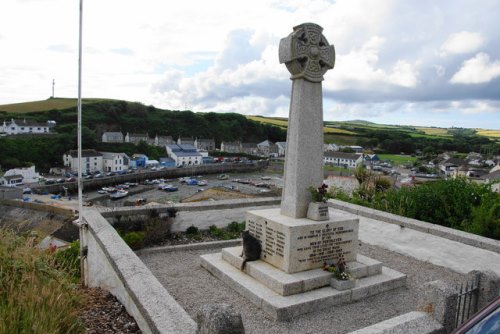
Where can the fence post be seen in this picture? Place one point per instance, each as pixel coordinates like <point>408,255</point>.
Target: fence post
<point>439,299</point>
<point>488,286</point>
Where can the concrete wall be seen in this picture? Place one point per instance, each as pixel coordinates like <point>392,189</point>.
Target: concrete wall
<point>111,265</point>
<point>218,213</point>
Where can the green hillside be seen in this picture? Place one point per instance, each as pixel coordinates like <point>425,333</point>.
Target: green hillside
<point>44,105</point>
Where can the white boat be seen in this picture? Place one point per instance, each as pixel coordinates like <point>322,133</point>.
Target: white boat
<point>118,194</point>
<point>265,178</point>
<point>202,183</point>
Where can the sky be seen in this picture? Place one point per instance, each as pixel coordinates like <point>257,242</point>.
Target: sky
<point>423,63</point>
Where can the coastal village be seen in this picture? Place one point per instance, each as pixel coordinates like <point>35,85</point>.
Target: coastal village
<point>147,220</point>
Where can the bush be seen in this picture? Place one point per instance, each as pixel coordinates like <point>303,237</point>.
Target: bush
<point>236,227</point>
<point>156,230</point>
<point>134,240</point>
<point>456,203</point>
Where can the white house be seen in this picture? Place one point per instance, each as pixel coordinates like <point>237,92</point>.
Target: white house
<point>266,148</point>
<point>115,162</point>
<point>348,160</point>
<point>112,137</point>
<point>15,127</point>
<point>11,181</point>
<point>29,175</point>
<point>331,147</point>
<point>91,161</point>
<point>281,145</point>
<point>184,155</point>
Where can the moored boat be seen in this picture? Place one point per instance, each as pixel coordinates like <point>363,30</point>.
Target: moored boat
<point>118,194</point>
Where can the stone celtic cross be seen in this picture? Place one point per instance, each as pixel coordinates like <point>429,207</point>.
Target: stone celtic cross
<point>307,56</point>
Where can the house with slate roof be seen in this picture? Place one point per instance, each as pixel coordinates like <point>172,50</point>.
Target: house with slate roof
<point>112,137</point>
<point>15,127</point>
<point>91,161</point>
<point>184,155</point>
<point>341,159</point>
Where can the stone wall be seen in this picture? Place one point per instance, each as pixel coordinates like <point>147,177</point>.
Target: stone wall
<point>110,264</point>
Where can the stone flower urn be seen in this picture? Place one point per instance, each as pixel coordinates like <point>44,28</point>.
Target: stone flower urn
<point>318,211</point>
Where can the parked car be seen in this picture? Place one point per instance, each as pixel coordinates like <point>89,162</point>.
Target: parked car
<point>486,321</point>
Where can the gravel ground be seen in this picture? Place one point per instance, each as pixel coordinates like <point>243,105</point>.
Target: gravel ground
<point>192,286</point>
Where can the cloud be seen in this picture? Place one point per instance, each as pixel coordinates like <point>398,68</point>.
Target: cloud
<point>60,48</point>
<point>462,42</point>
<point>123,51</point>
<point>477,70</point>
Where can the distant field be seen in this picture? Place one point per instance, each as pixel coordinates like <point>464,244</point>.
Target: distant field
<point>397,159</point>
<point>284,124</point>
<point>488,133</point>
<point>49,104</point>
<point>435,131</point>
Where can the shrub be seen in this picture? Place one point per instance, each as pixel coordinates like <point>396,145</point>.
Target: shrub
<point>134,240</point>
<point>156,230</point>
<point>236,227</point>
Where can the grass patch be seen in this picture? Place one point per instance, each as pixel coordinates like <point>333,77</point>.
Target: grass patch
<point>37,294</point>
<point>397,159</point>
<point>284,124</point>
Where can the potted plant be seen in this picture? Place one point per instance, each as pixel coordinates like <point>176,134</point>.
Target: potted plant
<point>318,208</point>
<point>342,279</point>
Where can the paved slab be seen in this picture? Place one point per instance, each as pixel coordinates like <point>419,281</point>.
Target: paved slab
<point>424,246</point>
<point>280,307</point>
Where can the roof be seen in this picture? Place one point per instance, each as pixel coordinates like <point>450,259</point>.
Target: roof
<point>139,135</point>
<point>110,155</point>
<point>203,140</point>
<point>13,177</point>
<point>492,176</point>
<point>342,155</point>
<point>281,143</point>
<point>85,153</point>
<point>24,122</point>
<point>265,143</point>
<point>249,145</point>
<point>113,133</point>
<point>454,161</point>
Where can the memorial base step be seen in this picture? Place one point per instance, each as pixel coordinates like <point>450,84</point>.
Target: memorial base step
<point>290,284</point>
<point>282,307</point>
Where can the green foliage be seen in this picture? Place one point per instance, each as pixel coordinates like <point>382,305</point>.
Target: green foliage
<point>320,194</point>
<point>36,293</point>
<point>232,231</point>
<point>69,259</point>
<point>134,240</point>
<point>456,203</point>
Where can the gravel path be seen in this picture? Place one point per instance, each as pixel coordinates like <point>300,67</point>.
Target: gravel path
<point>193,286</point>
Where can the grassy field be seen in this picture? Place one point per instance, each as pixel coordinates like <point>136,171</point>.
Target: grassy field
<point>284,124</point>
<point>489,133</point>
<point>442,132</point>
<point>397,159</point>
<point>43,105</point>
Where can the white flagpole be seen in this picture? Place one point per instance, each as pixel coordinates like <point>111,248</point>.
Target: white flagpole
<point>79,125</point>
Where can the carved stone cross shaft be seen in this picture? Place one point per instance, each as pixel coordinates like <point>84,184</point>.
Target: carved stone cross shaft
<point>307,55</point>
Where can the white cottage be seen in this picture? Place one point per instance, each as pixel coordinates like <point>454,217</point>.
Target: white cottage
<point>91,161</point>
<point>15,127</point>
<point>115,162</point>
<point>348,160</point>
